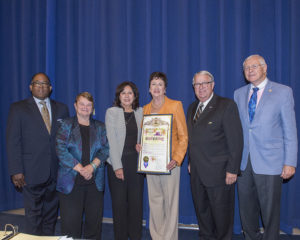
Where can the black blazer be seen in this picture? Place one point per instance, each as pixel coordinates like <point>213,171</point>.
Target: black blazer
<point>215,140</point>
<point>30,148</point>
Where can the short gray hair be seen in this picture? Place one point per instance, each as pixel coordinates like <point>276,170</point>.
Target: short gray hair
<point>260,59</point>
<point>204,72</point>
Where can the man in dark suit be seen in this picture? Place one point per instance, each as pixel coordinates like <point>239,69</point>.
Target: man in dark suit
<point>32,161</point>
<point>215,151</point>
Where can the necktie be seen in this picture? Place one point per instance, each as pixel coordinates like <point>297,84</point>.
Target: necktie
<point>46,116</point>
<point>198,112</point>
<point>252,104</point>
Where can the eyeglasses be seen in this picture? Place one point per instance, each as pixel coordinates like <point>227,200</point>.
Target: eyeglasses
<point>41,84</point>
<point>254,66</point>
<point>203,84</point>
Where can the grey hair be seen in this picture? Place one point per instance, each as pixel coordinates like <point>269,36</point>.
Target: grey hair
<point>204,72</point>
<point>260,59</point>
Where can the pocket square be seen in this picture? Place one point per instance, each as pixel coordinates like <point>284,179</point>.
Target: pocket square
<point>209,123</point>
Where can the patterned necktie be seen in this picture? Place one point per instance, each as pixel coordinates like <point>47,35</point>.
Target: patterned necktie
<point>46,116</point>
<point>198,112</point>
<point>252,104</point>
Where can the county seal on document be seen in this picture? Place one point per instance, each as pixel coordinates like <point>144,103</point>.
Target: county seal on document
<point>156,144</point>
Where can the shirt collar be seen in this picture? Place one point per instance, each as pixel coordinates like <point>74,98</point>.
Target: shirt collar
<point>261,85</point>
<point>47,100</point>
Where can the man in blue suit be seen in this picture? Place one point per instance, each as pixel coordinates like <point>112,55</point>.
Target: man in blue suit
<point>32,161</point>
<point>270,148</point>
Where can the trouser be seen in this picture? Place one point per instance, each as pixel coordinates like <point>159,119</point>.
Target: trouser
<point>163,191</point>
<point>214,209</point>
<point>84,200</point>
<point>127,201</point>
<point>259,194</point>
<point>41,205</point>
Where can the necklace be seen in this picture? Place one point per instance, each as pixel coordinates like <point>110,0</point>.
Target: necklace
<point>129,118</point>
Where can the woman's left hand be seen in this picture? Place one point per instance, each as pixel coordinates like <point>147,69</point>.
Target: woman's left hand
<point>172,164</point>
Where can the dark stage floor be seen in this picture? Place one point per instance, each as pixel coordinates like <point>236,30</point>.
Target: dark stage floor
<point>107,233</point>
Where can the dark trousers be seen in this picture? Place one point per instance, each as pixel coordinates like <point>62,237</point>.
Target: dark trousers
<point>127,200</point>
<point>259,194</point>
<point>84,201</point>
<point>41,205</point>
<point>214,209</point>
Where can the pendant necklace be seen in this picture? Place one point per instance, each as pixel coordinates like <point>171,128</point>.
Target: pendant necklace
<point>129,118</point>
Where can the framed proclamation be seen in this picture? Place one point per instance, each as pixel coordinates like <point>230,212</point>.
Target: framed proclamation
<point>156,143</point>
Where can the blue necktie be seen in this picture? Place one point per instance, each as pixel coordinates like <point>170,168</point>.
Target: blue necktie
<point>252,104</point>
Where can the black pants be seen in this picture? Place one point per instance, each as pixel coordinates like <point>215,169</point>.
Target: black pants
<point>214,209</point>
<point>259,194</point>
<point>41,205</point>
<point>127,200</point>
<point>84,201</point>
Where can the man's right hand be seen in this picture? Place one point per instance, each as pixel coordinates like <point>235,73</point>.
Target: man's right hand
<point>18,180</point>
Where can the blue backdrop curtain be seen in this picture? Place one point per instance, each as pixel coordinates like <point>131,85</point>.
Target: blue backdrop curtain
<point>93,45</point>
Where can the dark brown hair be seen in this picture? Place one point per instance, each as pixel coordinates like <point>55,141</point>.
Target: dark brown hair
<point>120,88</point>
<point>158,75</point>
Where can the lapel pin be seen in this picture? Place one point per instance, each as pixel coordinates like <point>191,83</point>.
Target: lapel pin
<point>210,123</point>
<point>270,90</point>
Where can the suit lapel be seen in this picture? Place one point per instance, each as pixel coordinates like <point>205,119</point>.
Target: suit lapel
<point>245,108</point>
<point>264,98</point>
<point>194,108</point>
<point>75,136</point>
<point>137,117</point>
<point>54,116</point>
<point>93,137</point>
<point>191,113</point>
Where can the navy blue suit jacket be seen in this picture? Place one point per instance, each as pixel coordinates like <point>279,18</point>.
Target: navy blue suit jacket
<point>30,148</point>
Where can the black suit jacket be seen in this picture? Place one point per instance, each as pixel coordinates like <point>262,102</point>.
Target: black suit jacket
<point>215,140</point>
<point>30,148</point>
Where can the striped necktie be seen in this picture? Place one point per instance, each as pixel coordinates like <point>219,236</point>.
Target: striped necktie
<point>198,112</point>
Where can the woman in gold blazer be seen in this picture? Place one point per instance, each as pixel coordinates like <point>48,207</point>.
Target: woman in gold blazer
<point>163,190</point>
